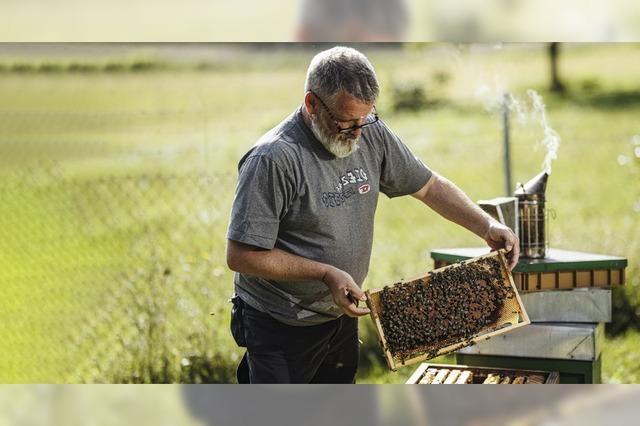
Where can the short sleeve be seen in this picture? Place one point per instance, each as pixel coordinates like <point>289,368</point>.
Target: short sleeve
<point>402,173</point>
<point>262,197</point>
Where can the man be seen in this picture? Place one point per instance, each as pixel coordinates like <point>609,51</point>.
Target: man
<point>301,226</point>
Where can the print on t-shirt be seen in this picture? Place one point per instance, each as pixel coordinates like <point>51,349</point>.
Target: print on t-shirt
<point>344,190</point>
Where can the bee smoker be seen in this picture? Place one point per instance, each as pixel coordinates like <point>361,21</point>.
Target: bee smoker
<point>532,217</point>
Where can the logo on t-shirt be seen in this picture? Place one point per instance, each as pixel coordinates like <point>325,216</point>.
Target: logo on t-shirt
<point>350,177</point>
<point>346,188</point>
<point>336,199</point>
<point>363,189</point>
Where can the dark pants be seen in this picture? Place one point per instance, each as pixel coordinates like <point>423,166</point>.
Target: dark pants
<point>281,353</point>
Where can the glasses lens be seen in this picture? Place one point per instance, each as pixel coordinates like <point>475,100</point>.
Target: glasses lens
<point>370,119</point>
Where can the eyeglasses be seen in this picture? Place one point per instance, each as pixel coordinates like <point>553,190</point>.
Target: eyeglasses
<point>368,120</point>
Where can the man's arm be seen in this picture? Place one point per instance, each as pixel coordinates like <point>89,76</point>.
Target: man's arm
<point>445,198</point>
<point>277,264</point>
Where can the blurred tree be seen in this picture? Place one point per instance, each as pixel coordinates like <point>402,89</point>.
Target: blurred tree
<point>556,85</point>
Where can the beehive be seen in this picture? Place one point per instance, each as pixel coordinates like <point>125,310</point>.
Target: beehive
<point>462,374</point>
<point>415,333</point>
<point>560,270</point>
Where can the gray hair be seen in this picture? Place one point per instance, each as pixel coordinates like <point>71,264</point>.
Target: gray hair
<point>342,69</point>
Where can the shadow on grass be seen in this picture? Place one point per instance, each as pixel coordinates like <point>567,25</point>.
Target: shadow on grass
<point>195,369</point>
<point>625,315</point>
<point>608,100</point>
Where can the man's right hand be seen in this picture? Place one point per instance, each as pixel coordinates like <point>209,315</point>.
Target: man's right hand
<point>276,264</point>
<point>346,293</point>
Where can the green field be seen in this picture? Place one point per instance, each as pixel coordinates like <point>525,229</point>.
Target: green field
<point>116,185</point>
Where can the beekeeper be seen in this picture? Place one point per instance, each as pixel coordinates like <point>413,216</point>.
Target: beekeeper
<point>301,226</point>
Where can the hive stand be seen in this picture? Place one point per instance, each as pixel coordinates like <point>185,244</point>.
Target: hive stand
<point>568,298</point>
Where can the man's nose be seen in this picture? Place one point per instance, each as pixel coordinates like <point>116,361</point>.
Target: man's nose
<point>356,133</point>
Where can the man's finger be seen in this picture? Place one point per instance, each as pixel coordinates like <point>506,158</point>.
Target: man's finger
<point>358,294</point>
<point>350,307</point>
<point>515,254</point>
<point>353,311</point>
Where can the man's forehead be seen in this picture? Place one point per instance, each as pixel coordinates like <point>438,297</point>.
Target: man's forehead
<point>350,107</point>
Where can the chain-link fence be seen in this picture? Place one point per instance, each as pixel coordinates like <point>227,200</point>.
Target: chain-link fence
<point>114,279</point>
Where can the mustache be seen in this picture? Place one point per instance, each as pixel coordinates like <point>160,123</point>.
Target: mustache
<point>349,137</point>
<point>340,145</point>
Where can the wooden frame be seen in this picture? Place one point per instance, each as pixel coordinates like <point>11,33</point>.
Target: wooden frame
<point>550,377</point>
<point>560,270</point>
<point>503,324</point>
<point>562,280</point>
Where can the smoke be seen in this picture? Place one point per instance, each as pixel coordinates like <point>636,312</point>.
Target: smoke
<point>551,140</point>
<point>491,96</point>
<point>496,97</point>
<point>517,106</point>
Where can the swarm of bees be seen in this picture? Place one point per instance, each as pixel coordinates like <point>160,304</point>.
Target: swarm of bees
<point>444,307</point>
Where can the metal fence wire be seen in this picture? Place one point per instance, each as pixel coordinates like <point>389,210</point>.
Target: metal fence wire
<point>113,279</point>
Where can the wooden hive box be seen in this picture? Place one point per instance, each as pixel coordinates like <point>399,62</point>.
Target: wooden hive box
<point>510,315</point>
<point>462,374</point>
<point>559,270</point>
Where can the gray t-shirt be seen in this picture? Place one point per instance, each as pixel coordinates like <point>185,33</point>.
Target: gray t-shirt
<point>294,195</point>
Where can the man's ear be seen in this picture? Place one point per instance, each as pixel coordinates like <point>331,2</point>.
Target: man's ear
<point>310,102</point>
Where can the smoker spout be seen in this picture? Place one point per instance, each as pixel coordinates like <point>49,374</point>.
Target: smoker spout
<point>537,185</point>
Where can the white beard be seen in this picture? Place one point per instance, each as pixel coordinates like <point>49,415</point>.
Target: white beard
<point>339,145</point>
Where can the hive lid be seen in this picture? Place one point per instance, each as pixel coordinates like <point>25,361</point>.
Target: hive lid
<point>537,185</point>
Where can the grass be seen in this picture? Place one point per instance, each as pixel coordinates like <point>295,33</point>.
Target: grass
<point>116,190</point>
<point>621,360</point>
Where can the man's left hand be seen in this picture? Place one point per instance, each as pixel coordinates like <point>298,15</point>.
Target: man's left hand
<point>500,236</point>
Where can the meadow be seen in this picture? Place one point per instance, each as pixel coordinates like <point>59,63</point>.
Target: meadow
<point>117,176</point>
